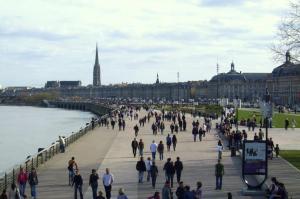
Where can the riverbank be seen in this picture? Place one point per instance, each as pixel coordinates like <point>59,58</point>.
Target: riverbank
<point>27,128</point>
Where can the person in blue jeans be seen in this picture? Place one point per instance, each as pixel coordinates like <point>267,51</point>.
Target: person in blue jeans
<point>93,182</point>
<point>219,172</point>
<point>33,181</point>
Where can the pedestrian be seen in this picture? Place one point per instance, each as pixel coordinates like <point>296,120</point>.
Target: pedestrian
<point>93,182</point>
<point>153,148</point>
<point>107,179</point>
<point>169,171</point>
<point>169,142</point>
<point>78,184</point>
<point>122,194</point>
<point>3,195</point>
<point>22,179</point>
<point>148,168</point>
<point>33,181</point>
<point>141,168</point>
<point>260,135</point>
<point>198,192</point>
<point>72,166</point>
<point>166,191</point>
<point>180,191</point>
<point>195,132</point>
<point>14,192</point>
<point>174,142</point>
<point>219,172</point>
<point>160,150</point>
<point>294,123</point>
<point>188,194</point>
<point>286,124</point>
<point>100,195</point>
<point>136,130</point>
<point>229,195</point>
<point>141,147</point>
<point>220,149</point>
<point>123,125</point>
<point>62,144</point>
<point>277,150</point>
<point>154,173</point>
<point>178,168</point>
<point>155,196</point>
<point>134,146</point>
<point>200,134</point>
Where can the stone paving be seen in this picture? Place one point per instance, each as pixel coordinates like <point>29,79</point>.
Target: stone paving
<point>104,148</point>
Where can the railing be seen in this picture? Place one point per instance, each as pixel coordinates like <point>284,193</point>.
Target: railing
<point>43,156</point>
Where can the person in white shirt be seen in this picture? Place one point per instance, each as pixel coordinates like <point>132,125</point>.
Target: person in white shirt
<point>220,149</point>
<point>153,148</point>
<point>107,179</point>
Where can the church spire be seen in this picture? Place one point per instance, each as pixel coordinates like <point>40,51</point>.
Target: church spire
<point>157,79</point>
<point>96,73</point>
<point>96,59</point>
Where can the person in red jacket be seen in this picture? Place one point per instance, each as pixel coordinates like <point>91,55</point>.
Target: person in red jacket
<point>22,179</point>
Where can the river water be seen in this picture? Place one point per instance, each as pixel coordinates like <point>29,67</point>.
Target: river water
<point>24,129</point>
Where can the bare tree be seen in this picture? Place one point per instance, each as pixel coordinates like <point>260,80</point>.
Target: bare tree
<point>289,35</point>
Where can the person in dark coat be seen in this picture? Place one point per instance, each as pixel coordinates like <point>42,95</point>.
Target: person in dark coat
<point>178,168</point>
<point>78,184</point>
<point>154,173</point>
<point>141,168</point>
<point>134,146</point>
<point>93,182</point>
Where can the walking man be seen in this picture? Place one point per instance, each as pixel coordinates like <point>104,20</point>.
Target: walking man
<point>141,147</point>
<point>219,172</point>
<point>93,182</point>
<point>148,168</point>
<point>78,184</point>
<point>33,181</point>
<point>107,179</point>
<point>134,145</point>
<point>141,168</point>
<point>154,173</point>
<point>153,148</point>
<point>178,168</point>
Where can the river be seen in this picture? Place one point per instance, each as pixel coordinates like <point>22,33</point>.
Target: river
<point>24,129</point>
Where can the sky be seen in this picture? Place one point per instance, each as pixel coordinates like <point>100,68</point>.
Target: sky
<point>42,40</point>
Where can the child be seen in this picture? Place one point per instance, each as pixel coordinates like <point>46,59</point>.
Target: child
<point>277,150</point>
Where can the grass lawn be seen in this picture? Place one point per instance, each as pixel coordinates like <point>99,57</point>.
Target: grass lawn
<point>277,120</point>
<point>292,156</point>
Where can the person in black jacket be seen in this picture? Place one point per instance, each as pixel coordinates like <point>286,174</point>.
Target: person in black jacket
<point>78,184</point>
<point>178,168</point>
<point>154,173</point>
<point>169,171</point>
<point>134,145</point>
<point>93,182</point>
<point>141,168</point>
<point>180,191</point>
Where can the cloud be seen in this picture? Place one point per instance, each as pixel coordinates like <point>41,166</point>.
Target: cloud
<point>27,33</point>
<point>221,3</point>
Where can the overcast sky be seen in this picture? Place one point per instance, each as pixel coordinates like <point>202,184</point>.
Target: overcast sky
<point>44,40</point>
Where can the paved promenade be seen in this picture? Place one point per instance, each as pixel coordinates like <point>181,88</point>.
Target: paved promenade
<point>104,148</point>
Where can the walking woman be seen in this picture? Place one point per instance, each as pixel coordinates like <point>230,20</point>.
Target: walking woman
<point>220,149</point>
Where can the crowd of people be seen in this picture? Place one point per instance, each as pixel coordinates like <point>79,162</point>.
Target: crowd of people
<point>149,167</point>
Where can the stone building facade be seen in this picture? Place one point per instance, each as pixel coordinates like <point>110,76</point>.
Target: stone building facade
<point>283,84</point>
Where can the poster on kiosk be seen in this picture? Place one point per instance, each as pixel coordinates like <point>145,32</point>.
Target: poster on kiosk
<point>255,158</point>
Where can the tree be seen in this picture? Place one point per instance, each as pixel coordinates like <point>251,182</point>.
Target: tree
<point>289,35</point>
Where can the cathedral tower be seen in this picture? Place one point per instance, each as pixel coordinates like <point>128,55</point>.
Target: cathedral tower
<point>97,72</point>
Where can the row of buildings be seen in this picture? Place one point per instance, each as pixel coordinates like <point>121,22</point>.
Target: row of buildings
<point>283,84</point>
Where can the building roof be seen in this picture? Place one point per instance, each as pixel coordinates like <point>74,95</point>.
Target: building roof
<point>288,68</point>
